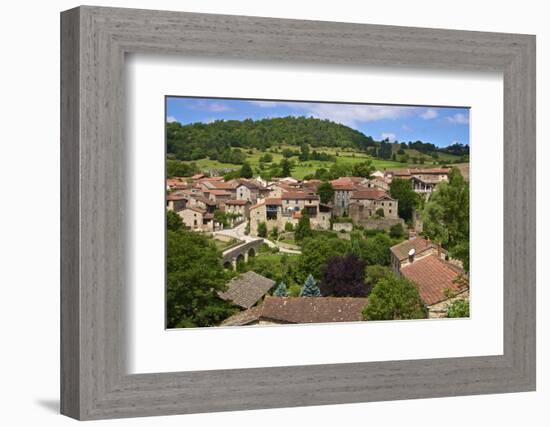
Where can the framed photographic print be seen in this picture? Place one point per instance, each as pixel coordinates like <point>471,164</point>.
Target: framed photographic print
<point>262,213</point>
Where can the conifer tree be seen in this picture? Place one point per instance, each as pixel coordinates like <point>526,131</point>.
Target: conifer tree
<point>310,288</point>
<point>281,290</point>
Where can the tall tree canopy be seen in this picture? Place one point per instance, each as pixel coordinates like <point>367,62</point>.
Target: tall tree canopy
<point>394,298</point>
<point>446,216</point>
<point>315,253</point>
<point>325,191</point>
<point>344,276</point>
<point>194,275</point>
<point>401,190</point>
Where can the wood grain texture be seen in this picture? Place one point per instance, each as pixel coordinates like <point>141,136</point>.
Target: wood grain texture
<point>94,381</point>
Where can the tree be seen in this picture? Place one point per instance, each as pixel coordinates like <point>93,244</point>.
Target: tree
<point>325,192</point>
<point>446,216</point>
<point>315,253</point>
<point>373,250</point>
<point>274,233</point>
<point>289,227</point>
<point>304,152</point>
<point>394,299</point>
<point>285,167</point>
<point>344,276</point>
<point>363,169</point>
<point>380,212</point>
<point>194,276</point>
<point>262,229</point>
<point>310,288</point>
<point>281,290</point>
<point>303,228</point>
<point>401,190</point>
<point>173,221</point>
<point>459,308</point>
<point>266,158</point>
<point>375,273</point>
<point>246,171</point>
<point>397,231</point>
<point>221,218</point>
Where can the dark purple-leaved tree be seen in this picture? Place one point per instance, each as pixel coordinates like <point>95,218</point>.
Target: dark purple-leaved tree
<point>344,276</point>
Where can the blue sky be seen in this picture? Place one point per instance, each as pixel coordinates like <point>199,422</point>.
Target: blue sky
<point>441,126</point>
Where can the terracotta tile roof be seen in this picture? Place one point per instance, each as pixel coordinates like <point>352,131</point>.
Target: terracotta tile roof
<point>439,171</point>
<point>176,196</point>
<point>301,310</point>
<point>370,194</point>
<point>299,195</point>
<point>244,317</point>
<point>419,244</point>
<point>195,209</point>
<point>432,277</point>
<point>236,202</point>
<point>205,200</point>
<point>248,184</point>
<point>399,172</point>
<point>247,289</point>
<point>198,176</point>
<point>273,201</point>
<point>313,310</point>
<point>220,193</point>
<point>347,183</point>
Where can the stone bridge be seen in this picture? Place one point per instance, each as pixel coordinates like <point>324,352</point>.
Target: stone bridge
<point>241,253</point>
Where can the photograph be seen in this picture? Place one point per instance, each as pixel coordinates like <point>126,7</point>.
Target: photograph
<point>284,212</point>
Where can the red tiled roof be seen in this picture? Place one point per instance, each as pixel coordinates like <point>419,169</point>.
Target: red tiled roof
<point>313,309</point>
<point>205,200</point>
<point>432,277</point>
<point>178,195</point>
<point>220,192</point>
<point>195,209</point>
<point>301,310</point>
<point>236,202</point>
<point>370,194</point>
<point>419,244</point>
<point>299,195</point>
<point>273,201</point>
<point>438,171</point>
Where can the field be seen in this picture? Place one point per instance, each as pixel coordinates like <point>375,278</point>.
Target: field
<point>302,169</point>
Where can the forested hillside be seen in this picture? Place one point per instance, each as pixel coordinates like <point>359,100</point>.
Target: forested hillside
<point>215,140</point>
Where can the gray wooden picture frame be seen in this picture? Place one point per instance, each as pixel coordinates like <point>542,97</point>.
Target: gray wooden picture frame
<point>94,41</point>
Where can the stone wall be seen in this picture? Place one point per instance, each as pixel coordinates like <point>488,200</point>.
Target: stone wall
<point>439,310</point>
<point>381,223</point>
<point>339,226</point>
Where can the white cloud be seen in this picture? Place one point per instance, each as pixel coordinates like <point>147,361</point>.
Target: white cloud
<point>407,128</point>
<point>264,104</point>
<point>392,137</point>
<point>346,114</point>
<point>171,119</point>
<point>213,107</point>
<point>459,118</point>
<point>429,114</point>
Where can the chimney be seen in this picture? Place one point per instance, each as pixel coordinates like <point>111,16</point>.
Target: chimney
<point>412,252</point>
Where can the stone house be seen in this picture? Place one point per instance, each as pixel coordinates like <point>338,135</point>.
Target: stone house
<point>276,212</point>
<point>176,201</point>
<point>370,200</point>
<point>238,207</point>
<point>197,219</point>
<point>246,190</point>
